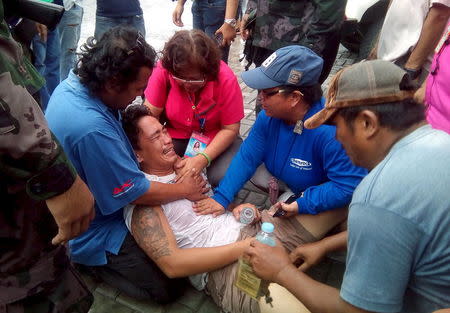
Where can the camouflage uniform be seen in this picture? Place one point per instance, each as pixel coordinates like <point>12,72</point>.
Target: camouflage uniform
<point>35,276</point>
<point>312,23</point>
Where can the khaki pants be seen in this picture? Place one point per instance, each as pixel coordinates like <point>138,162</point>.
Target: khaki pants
<point>221,282</point>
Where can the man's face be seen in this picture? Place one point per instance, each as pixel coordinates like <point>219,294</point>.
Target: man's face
<point>350,140</point>
<point>136,88</point>
<point>274,102</point>
<point>155,145</point>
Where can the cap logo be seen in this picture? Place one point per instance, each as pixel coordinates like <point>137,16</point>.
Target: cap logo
<point>294,77</point>
<point>269,60</point>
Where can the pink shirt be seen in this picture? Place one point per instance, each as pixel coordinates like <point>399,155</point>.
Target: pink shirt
<point>437,95</point>
<point>220,102</point>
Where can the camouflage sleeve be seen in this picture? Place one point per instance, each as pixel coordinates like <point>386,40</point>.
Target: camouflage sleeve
<point>29,152</point>
<point>327,20</point>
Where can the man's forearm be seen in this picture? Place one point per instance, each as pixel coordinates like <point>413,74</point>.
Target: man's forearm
<point>231,9</point>
<point>317,297</point>
<point>335,242</point>
<point>432,30</point>
<point>153,234</point>
<point>159,193</point>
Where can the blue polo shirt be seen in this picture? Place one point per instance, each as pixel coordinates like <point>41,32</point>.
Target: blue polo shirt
<point>312,163</point>
<point>92,136</point>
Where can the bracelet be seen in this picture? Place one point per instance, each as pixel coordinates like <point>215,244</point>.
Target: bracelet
<point>206,157</point>
<point>413,73</point>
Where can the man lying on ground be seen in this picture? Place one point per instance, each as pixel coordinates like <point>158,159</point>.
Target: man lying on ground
<point>166,231</point>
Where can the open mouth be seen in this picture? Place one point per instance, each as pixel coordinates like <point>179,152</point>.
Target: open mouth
<point>168,150</point>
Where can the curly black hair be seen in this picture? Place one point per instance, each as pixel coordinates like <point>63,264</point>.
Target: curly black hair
<point>189,49</point>
<point>117,56</point>
<point>130,119</point>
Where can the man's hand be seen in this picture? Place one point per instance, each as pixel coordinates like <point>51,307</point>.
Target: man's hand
<point>194,185</point>
<point>208,206</point>
<point>245,33</point>
<point>237,211</point>
<point>267,261</point>
<point>42,31</point>
<point>176,15</point>
<point>228,32</point>
<point>198,163</point>
<point>290,209</point>
<point>73,211</point>
<point>308,255</point>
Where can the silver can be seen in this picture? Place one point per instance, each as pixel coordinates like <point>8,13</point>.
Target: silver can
<point>247,215</point>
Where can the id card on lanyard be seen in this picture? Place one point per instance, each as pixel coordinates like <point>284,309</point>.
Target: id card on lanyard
<point>198,141</point>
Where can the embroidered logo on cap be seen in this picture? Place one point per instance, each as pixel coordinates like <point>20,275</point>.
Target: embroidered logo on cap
<point>294,77</point>
<point>269,60</point>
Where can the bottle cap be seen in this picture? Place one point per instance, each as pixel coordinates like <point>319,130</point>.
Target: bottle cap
<point>267,227</point>
<point>247,215</point>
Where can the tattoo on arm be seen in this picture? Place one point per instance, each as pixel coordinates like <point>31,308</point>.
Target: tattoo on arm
<point>149,233</point>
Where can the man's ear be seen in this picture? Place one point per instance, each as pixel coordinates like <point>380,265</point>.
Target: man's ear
<point>138,156</point>
<point>296,97</point>
<point>368,123</point>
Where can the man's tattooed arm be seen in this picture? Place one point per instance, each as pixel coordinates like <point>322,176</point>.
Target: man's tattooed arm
<point>149,232</point>
<point>153,234</point>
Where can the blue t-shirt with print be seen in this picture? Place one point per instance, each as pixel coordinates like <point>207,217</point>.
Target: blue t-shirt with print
<point>92,136</point>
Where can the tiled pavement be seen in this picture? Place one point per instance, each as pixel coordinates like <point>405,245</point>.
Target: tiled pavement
<point>110,300</point>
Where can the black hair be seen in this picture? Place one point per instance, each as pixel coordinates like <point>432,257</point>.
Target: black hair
<point>118,55</point>
<point>396,116</point>
<point>311,94</point>
<point>130,119</point>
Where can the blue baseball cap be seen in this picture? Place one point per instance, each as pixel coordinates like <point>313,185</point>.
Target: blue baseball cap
<point>292,65</point>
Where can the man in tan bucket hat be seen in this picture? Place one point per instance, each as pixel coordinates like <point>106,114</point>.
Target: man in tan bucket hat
<point>398,257</point>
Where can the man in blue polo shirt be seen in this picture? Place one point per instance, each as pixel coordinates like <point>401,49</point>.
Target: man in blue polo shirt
<point>312,163</point>
<point>84,113</point>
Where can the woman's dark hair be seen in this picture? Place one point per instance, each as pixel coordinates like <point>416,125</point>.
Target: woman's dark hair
<point>396,116</point>
<point>117,56</point>
<point>189,49</point>
<point>311,94</point>
<point>130,119</point>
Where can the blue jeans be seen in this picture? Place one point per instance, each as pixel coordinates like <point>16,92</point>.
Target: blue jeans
<point>208,16</point>
<point>69,35</point>
<point>47,63</point>
<point>103,24</point>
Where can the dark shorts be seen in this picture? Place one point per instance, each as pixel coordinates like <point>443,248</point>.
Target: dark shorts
<point>135,274</point>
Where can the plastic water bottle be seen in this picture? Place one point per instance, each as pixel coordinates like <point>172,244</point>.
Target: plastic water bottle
<point>266,235</point>
<point>246,279</point>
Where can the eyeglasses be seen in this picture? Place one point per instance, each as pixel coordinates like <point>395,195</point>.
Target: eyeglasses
<point>139,45</point>
<point>267,94</point>
<point>189,81</point>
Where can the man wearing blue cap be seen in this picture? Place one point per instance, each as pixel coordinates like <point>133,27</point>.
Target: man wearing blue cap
<point>312,163</point>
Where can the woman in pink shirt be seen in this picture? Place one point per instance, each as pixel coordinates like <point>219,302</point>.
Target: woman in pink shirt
<point>198,95</point>
<point>435,91</point>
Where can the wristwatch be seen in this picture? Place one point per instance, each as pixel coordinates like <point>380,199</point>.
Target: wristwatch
<point>413,73</point>
<point>230,21</point>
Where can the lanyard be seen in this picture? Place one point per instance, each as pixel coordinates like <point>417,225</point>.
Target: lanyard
<point>200,116</point>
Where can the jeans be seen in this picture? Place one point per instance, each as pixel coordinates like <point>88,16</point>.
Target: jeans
<point>69,34</point>
<point>103,24</point>
<point>46,61</point>
<point>208,16</point>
